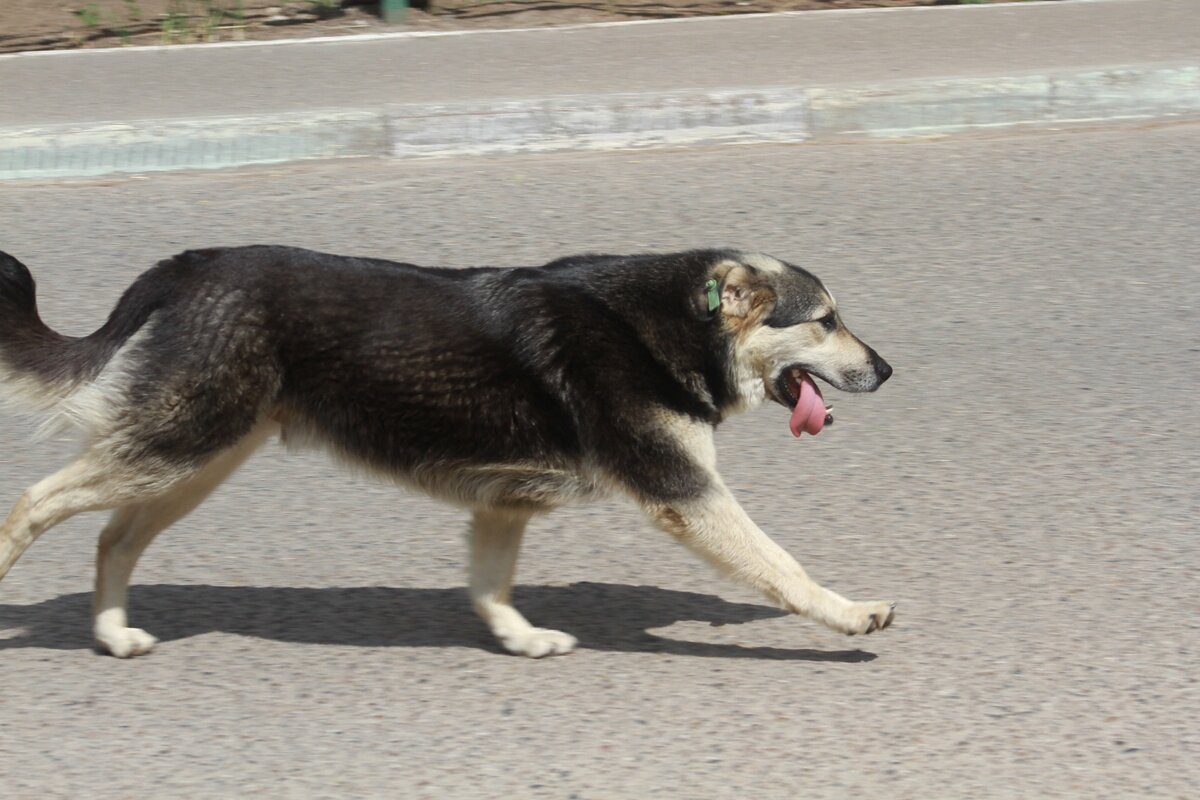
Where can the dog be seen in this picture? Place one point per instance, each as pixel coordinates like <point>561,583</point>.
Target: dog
<point>509,391</point>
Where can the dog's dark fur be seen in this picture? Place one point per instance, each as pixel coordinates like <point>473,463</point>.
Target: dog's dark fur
<point>509,391</point>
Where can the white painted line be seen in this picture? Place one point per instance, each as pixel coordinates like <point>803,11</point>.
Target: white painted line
<point>376,37</point>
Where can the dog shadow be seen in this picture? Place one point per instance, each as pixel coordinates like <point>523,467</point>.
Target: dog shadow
<point>604,616</point>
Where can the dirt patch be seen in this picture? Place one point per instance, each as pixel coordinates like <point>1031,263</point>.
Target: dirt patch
<point>41,25</point>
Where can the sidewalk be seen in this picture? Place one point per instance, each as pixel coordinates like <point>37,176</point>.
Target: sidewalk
<point>813,75</point>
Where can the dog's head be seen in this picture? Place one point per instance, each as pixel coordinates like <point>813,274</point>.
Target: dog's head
<point>783,325</point>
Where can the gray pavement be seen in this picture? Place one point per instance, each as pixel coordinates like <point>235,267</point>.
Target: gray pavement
<point>912,72</point>
<point>1025,487</point>
<point>828,49</point>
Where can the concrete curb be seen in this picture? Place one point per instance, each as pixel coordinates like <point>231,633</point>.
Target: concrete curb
<point>601,122</point>
<point>1126,93</point>
<point>773,114</point>
<point>61,151</point>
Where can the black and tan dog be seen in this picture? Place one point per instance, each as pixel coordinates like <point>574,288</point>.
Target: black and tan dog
<point>507,391</point>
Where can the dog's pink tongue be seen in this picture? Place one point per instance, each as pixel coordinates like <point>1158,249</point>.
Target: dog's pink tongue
<point>809,414</point>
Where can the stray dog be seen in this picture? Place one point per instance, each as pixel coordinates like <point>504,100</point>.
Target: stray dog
<point>507,391</point>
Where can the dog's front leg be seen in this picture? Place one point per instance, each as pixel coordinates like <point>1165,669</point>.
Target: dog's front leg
<point>495,541</point>
<point>716,527</point>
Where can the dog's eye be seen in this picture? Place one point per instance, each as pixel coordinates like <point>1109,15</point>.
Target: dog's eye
<point>828,322</point>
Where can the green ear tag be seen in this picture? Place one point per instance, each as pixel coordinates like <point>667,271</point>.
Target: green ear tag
<point>714,301</point>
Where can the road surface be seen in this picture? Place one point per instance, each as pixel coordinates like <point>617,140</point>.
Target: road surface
<point>1025,487</point>
<point>806,50</point>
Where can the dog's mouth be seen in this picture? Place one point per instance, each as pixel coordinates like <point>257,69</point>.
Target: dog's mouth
<point>795,388</point>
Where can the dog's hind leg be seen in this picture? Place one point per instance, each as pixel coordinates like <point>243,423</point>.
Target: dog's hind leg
<point>131,530</point>
<point>495,541</point>
<point>715,526</point>
<point>89,483</point>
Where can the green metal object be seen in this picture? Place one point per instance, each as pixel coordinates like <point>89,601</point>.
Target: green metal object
<point>393,10</point>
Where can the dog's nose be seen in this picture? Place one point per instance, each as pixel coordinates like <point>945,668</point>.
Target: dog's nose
<point>882,368</point>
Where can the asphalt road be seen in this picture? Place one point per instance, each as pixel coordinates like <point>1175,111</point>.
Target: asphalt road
<point>1025,487</point>
<point>809,50</point>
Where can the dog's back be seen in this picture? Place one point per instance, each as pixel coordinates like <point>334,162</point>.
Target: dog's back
<point>408,370</point>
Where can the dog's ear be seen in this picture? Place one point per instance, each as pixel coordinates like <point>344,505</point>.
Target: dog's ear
<point>735,292</point>
<point>745,293</point>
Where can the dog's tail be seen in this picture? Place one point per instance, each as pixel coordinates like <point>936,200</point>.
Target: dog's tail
<point>39,368</point>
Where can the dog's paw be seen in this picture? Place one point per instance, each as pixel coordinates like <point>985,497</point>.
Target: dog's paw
<point>125,642</point>
<point>538,642</point>
<point>868,617</point>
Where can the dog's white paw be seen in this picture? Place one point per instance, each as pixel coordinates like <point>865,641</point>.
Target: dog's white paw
<point>538,642</point>
<point>126,642</point>
<point>867,617</point>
